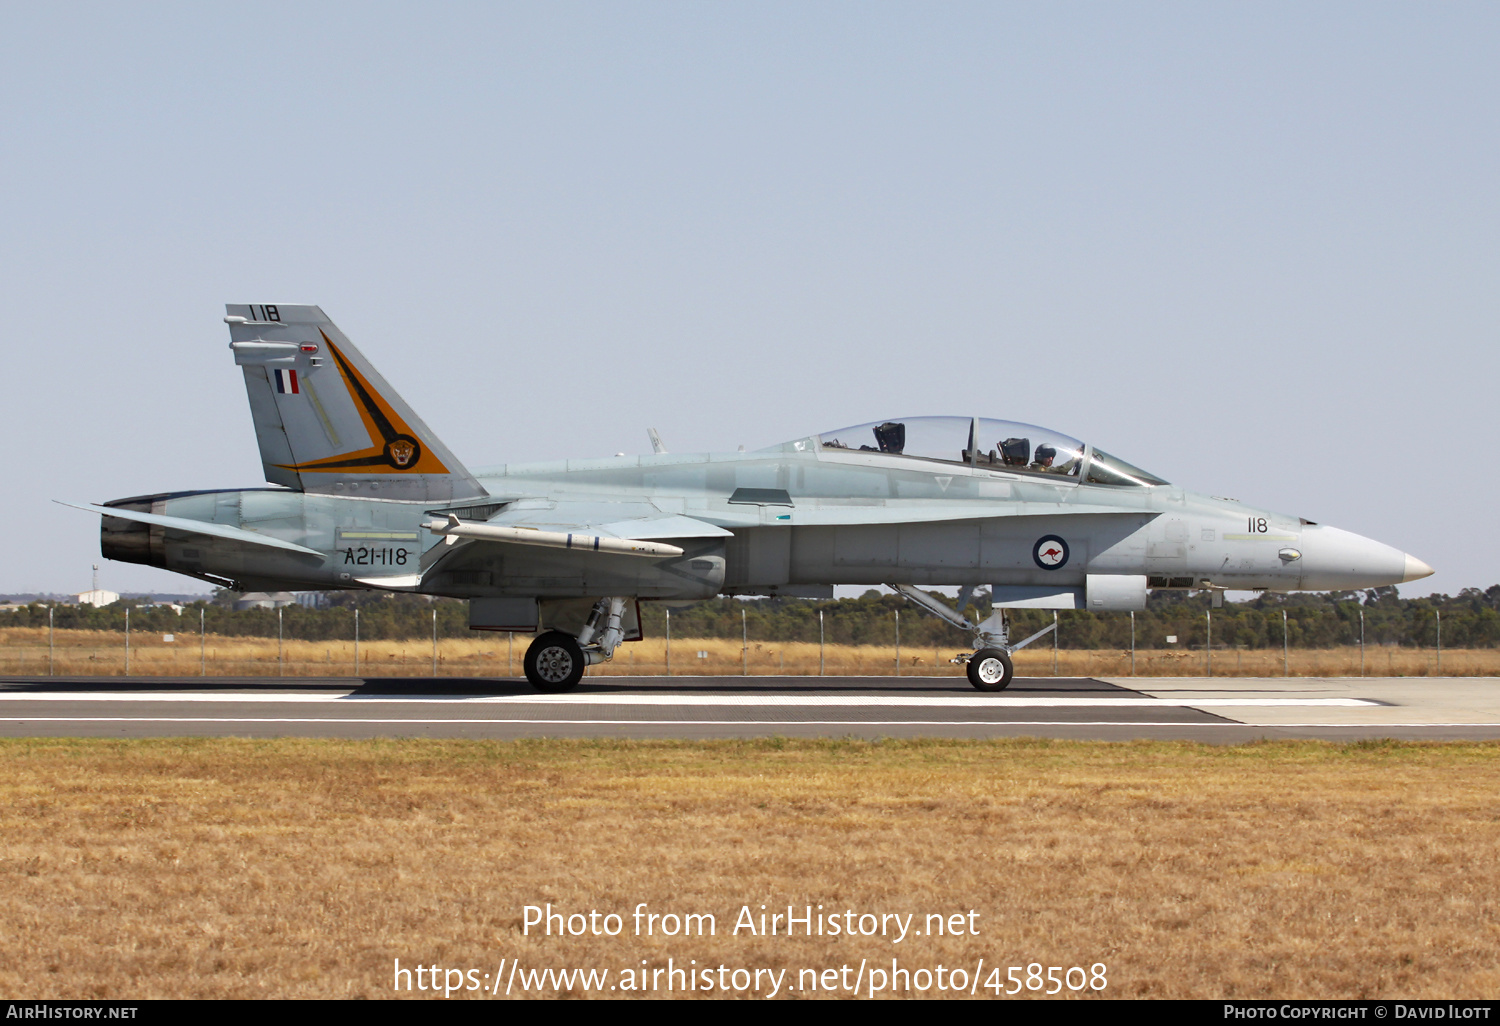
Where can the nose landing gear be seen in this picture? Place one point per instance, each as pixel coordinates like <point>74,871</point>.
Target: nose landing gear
<point>989,668</point>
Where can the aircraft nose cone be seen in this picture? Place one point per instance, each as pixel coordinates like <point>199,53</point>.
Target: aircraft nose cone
<point>1416,569</point>
<point>1336,560</point>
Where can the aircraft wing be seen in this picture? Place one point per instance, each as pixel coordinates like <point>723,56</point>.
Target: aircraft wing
<point>589,529</point>
<point>626,521</point>
<point>643,521</point>
<point>814,514</point>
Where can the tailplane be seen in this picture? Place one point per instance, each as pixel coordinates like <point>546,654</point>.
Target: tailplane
<point>326,420</point>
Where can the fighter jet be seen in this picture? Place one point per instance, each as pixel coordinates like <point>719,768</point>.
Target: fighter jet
<point>364,496</point>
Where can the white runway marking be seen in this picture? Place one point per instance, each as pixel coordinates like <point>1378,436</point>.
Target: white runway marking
<point>729,723</point>
<point>960,701</point>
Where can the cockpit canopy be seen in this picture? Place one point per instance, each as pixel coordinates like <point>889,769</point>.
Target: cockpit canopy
<point>992,444</point>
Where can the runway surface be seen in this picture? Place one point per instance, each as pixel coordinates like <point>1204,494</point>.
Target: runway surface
<point>1206,709</point>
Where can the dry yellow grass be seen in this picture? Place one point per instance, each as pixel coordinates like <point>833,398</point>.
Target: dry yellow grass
<point>102,653</point>
<point>232,868</point>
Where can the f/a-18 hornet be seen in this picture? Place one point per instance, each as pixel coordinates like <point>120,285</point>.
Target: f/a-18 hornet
<point>364,496</point>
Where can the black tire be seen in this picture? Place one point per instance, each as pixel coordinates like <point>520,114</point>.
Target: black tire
<point>990,670</point>
<point>554,662</point>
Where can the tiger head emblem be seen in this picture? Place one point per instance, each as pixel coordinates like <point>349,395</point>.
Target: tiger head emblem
<point>402,452</point>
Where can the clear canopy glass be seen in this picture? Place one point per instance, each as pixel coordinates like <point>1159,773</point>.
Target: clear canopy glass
<point>1111,470</point>
<point>993,444</point>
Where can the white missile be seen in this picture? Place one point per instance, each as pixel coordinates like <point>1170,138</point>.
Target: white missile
<point>453,529</point>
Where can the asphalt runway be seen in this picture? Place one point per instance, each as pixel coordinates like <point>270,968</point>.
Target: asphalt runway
<point>1225,710</point>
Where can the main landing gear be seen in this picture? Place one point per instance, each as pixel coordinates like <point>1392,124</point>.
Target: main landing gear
<point>989,667</point>
<point>556,659</point>
<point>554,662</point>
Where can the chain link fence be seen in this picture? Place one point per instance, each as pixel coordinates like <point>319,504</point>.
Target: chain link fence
<point>1376,634</point>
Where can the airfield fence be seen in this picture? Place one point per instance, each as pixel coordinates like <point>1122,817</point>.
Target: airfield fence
<point>36,652</point>
<point>1375,632</point>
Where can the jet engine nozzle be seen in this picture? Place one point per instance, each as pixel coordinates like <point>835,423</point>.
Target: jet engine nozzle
<point>131,541</point>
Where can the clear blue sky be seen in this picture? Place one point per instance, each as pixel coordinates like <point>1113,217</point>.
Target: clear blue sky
<point>1250,247</point>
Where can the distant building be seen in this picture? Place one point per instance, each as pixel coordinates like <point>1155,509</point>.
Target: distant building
<point>265,600</point>
<point>97,597</point>
<point>150,602</point>
<point>173,606</point>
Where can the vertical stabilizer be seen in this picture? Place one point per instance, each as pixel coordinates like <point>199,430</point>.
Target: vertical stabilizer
<point>326,420</point>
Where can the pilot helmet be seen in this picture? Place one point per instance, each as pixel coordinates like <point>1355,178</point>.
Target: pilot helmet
<point>1045,452</point>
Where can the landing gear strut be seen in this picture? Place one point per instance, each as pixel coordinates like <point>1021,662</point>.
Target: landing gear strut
<point>989,667</point>
<point>556,660</point>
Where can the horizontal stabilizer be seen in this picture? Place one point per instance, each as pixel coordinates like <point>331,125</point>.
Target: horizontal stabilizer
<point>237,534</point>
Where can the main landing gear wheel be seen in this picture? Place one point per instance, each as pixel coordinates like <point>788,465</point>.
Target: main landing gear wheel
<point>554,662</point>
<point>990,670</point>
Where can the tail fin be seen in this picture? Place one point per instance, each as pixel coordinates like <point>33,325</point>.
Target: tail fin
<point>325,418</point>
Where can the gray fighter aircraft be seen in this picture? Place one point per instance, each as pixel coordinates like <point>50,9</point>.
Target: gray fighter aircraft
<point>366,497</point>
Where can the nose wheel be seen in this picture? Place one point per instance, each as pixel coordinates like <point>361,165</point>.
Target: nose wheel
<point>554,662</point>
<point>990,670</point>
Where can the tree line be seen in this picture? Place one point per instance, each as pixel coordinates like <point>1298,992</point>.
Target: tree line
<point>1470,619</point>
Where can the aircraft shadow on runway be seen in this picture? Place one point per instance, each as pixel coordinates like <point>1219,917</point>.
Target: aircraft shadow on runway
<point>604,687</point>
